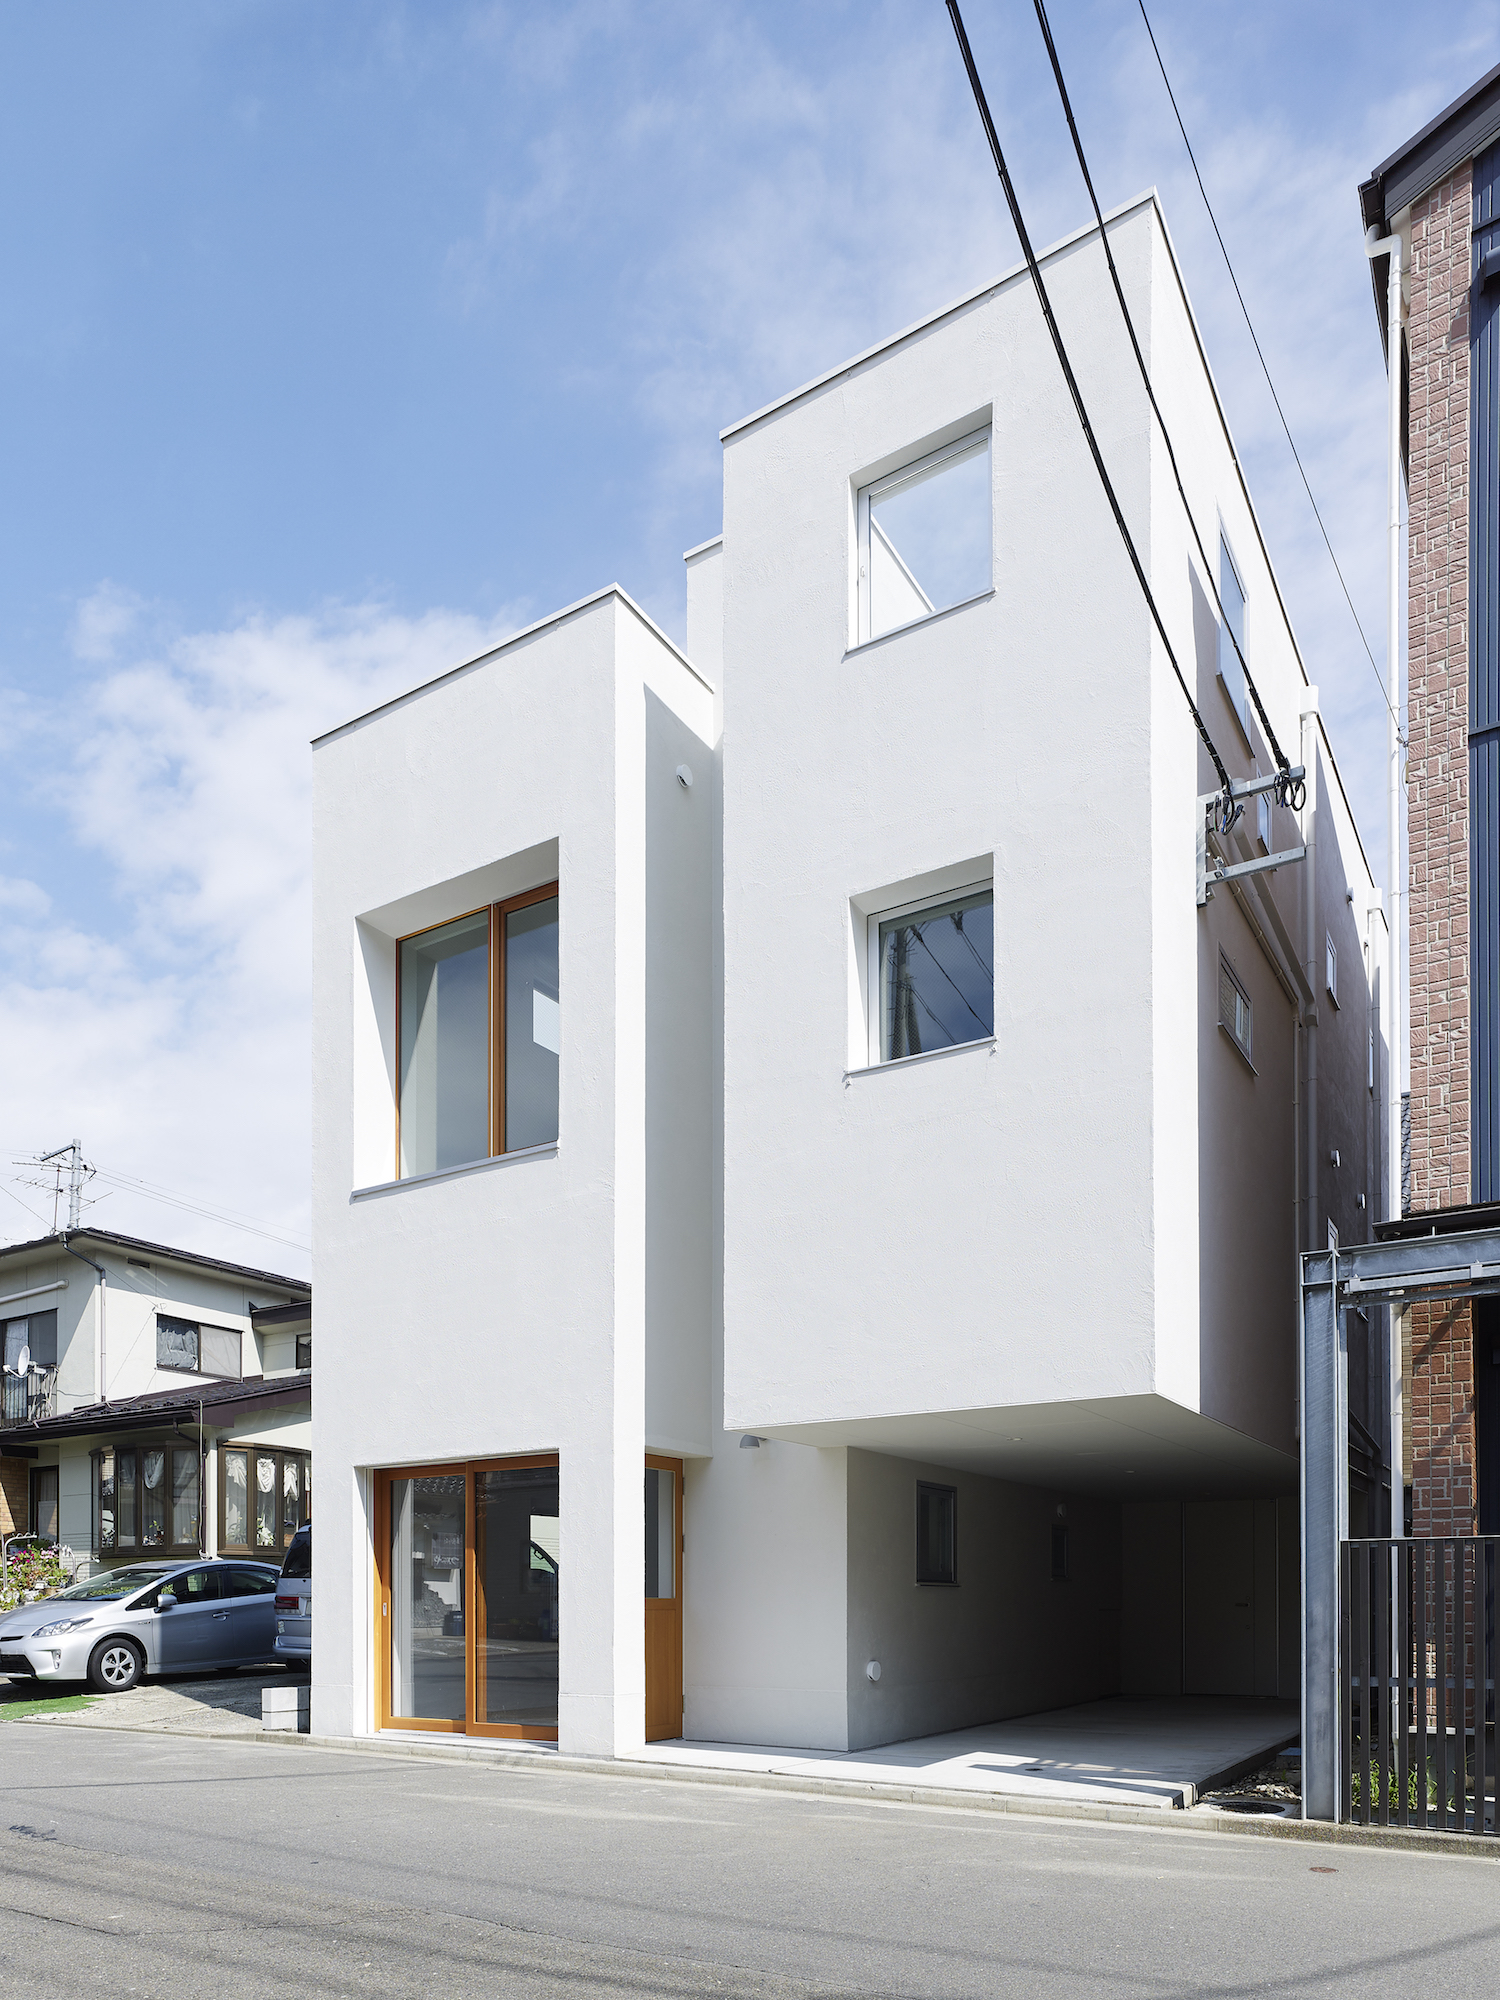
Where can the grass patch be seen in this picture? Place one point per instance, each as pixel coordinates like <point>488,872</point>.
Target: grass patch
<point>58,1704</point>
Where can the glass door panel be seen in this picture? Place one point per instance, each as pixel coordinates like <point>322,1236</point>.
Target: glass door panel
<point>663,1600</point>
<point>426,1580</point>
<point>515,1597</point>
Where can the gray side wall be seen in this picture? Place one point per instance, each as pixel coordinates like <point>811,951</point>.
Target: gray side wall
<point>1008,1639</point>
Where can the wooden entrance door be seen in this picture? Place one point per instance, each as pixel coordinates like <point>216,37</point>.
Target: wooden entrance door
<point>664,1542</point>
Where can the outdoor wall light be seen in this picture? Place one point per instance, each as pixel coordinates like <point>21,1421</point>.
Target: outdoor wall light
<point>872,1670</point>
<point>749,1443</point>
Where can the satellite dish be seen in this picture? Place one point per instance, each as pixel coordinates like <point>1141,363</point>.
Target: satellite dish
<point>23,1360</point>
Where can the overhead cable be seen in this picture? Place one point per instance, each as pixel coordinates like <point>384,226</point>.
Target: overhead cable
<point>1287,788</point>
<point>1255,342</point>
<point>1228,810</point>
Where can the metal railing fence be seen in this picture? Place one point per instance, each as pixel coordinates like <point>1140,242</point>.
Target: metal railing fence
<point>28,1398</point>
<point>1417,1682</point>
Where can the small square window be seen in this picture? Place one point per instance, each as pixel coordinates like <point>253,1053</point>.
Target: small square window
<point>934,975</point>
<point>1231,672</point>
<point>1333,971</point>
<point>1059,1552</point>
<point>937,1533</point>
<point>1235,1013</point>
<point>924,537</point>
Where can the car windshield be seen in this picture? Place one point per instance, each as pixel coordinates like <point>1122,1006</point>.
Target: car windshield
<point>299,1555</point>
<point>111,1583</point>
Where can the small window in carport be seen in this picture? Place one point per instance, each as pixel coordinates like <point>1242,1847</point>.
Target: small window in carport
<point>937,1533</point>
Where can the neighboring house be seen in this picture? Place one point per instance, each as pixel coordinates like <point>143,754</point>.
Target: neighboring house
<point>155,1400</point>
<point>802,1106</point>
<point>1440,194</point>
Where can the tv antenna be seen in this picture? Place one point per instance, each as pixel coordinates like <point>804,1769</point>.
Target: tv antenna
<point>66,1164</point>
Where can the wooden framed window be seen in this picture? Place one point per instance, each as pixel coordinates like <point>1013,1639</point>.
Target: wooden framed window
<point>467,1561</point>
<point>264,1497</point>
<point>478,1035</point>
<point>148,1496</point>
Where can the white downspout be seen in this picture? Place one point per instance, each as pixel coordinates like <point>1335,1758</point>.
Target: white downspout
<point>1390,246</point>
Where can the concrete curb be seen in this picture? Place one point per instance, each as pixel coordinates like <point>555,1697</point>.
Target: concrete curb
<point>1161,1818</point>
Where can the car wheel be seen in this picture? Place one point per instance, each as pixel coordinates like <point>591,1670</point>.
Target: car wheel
<point>115,1666</point>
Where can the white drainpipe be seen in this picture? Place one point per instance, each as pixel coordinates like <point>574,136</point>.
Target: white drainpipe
<point>1390,246</point>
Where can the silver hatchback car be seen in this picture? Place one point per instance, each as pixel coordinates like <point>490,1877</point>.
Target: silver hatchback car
<point>149,1618</point>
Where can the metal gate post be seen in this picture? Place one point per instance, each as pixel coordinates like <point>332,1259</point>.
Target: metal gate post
<point>1324,1475</point>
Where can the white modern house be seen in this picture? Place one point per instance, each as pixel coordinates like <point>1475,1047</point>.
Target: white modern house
<point>811,1144</point>
<point>156,1401</point>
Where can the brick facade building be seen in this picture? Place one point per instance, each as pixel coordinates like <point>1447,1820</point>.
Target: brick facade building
<point>1437,193</point>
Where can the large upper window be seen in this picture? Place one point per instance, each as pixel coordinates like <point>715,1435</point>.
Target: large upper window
<point>934,976</point>
<point>924,536</point>
<point>479,1033</point>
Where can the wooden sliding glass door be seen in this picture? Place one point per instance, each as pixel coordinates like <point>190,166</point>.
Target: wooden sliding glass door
<point>466,1560</point>
<point>663,1598</point>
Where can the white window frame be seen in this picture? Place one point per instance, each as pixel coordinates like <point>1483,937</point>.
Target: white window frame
<point>961,447</point>
<point>1241,706</point>
<point>1246,1048</point>
<point>1331,968</point>
<point>931,901</point>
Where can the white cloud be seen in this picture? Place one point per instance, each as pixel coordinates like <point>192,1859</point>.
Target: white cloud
<point>176,1049</point>
<point>102,619</point>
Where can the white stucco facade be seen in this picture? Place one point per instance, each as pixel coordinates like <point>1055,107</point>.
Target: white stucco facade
<point>1050,1270</point>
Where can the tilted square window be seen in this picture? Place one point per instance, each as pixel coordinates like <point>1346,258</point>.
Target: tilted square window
<point>924,536</point>
<point>479,1029</point>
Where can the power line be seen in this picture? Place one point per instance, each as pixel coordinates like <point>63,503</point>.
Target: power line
<point>1228,265</point>
<point>1286,788</point>
<point>128,1184</point>
<point>1229,811</point>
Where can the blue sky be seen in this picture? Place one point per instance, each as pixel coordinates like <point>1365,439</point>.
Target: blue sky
<point>339,339</point>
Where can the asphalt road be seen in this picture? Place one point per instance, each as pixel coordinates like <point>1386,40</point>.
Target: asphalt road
<point>168,1867</point>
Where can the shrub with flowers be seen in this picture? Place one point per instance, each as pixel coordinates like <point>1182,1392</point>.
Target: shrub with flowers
<point>32,1569</point>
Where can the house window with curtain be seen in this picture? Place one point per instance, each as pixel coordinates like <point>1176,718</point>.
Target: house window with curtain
<point>198,1350</point>
<point>264,1497</point>
<point>147,1496</point>
<point>479,1031</point>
